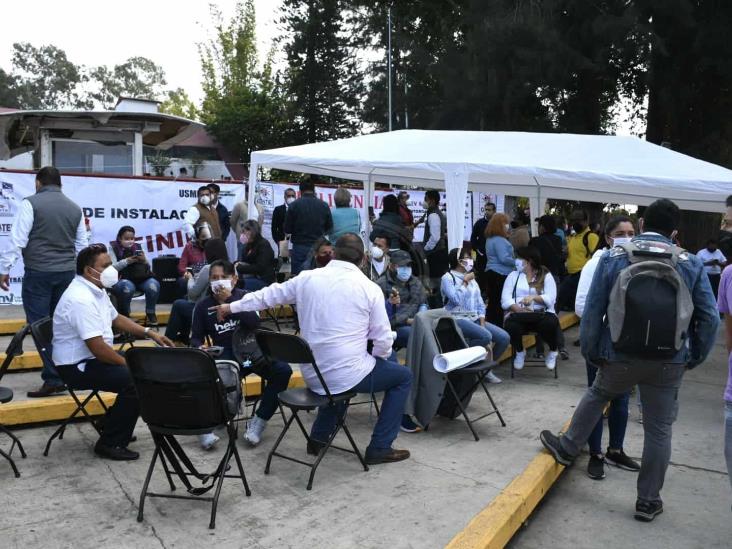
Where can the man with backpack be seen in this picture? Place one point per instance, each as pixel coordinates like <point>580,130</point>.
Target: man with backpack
<point>580,247</point>
<point>650,314</point>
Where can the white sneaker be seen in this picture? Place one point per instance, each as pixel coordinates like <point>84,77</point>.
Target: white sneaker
<point>551,359</point>
<point>255,429</point>
<point>519,359</point>
<point>493,378</point>
<point>208,441</point>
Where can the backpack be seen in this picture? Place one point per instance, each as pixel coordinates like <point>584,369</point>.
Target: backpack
<point>231,381</point>
<point>650,306</point>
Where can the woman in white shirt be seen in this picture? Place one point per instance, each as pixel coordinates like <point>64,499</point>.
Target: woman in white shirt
<point>528,299</point>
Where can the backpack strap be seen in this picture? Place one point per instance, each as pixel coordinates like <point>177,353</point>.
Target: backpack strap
<point>586,243</point>
<point>637,254</point>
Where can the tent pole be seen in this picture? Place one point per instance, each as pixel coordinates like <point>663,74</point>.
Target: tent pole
<point>251,191</point>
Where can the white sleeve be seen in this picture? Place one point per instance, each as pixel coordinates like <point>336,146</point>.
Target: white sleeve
<point>192,216</point>
<point>270,296</point>
<point>82,237</point>
<point>721,256</point>
<point>507,293</point>
<point>22,225</point>
<point>434,222</point>
<point>549,297</point>
<point>583,287</point>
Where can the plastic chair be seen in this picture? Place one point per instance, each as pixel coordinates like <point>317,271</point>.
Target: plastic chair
<point>293,349</point>
<point>181,393</point>
<point>6,394</point>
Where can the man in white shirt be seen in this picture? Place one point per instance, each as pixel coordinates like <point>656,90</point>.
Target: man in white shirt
<point>83,352</point>
<point>49,229</point>
<point>714,261</point>
<point>340,310</point>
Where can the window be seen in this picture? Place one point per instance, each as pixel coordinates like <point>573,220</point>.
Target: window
<point>92,156</point>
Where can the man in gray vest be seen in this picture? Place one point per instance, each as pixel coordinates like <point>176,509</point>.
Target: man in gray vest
<point>48,229</point>
<point>435,238</point>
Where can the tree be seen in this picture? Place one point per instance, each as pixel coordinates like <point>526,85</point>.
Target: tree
<point>137,77</point>
<point>322,79</point>
<point>9,96</point>
<point>178,103</point>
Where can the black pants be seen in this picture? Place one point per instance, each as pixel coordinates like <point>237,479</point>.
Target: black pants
<point>714,281</point>
<point>518,325</point>
<point>122,415</point>
<point>438,265</point>
<point>568,292</point>
<point>494,287</point>
<point>539,348</point>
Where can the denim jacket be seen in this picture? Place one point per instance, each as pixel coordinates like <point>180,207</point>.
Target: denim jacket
<point>595,333</point>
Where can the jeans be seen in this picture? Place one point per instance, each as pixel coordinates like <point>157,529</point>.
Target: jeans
<point>659,391</point>
<point>122,415</point>
<point>480,336</point>
<point>518,326</point>
<point>402,338</point>
<point>728,438</point>
<point>125,289</point>
<point>41,293</point>
<point>254,283</point>
<point>617,419</point>
<point>395,380</point>
<point>181,318</point>
<point>299,256</point>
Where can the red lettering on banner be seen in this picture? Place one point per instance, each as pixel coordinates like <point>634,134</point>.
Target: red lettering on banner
<point>149,241</point>
<point>179,238</point>
<point>164,241</point>
<point>357,201</point>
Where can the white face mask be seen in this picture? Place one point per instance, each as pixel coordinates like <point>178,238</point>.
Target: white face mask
<point>507,227</point>
<point>108,277</point>
<point>127,243</point>
<point>617,241</point>
<point>520,265</point>
<point>426,205</point>
<point>217,285</point>
<point>377,253</point>
<point>467,264</point>
<point>289,200</point>
<point>205,200</point>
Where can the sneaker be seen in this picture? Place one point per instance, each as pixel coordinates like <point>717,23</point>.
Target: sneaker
<point>551,443</point>
<point>596,467</point>
<point>646,511</point>
<point>621,460</point>
<point>256,427</point>
<point>408,425</point>
<point>493,378</point>
<point>551,360</point>
<point>208,441</point>
<point>564,353</point>
<point>519,359</point>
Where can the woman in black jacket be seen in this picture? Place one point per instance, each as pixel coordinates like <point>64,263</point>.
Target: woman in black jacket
<point>255,267</point>
<point>390,225</point>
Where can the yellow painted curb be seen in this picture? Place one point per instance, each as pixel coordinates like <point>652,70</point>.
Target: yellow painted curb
<point>58,408</point>
<point>31,360</point>
<point>10,326</point>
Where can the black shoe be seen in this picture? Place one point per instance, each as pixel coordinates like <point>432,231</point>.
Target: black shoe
<point>151,320</point>
<point>390,456</point>
<point>564,353</point>
<point>551,443</point>
<point>116,453</point>
<point>315,446</point>
<point>576,343</point>
<point>408,425</point>
<point>646,511</point>
<point>46,390</point>
<point>621,460</point>
<point>596,467</point>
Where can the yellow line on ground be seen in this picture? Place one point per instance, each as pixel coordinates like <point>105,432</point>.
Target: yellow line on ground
<point>31,360</point>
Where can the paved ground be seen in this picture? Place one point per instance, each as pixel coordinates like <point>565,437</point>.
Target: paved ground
<point>71,497</point>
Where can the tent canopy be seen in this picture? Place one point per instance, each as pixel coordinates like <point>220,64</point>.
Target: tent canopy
<point>595,168</point>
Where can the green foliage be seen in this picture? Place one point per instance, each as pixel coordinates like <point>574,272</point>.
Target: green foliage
<point>137,77</point>
<point>9,96</point>
<point>178,103</point>
<point>159,162</point>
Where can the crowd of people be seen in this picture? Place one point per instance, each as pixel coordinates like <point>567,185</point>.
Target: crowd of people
<point>510,284</point>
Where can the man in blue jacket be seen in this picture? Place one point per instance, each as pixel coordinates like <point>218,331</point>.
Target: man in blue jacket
<point>658,380</point>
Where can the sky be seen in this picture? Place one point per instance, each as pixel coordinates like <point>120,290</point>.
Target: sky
<point>108,33</point>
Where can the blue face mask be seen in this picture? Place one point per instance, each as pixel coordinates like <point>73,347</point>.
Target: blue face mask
<point>404,273</point>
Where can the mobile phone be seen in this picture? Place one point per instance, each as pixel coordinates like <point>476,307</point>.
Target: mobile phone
<point>189,270</point>
<point>138,252</point>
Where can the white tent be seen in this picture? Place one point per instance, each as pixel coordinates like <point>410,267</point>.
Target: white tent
<point>596,168</point>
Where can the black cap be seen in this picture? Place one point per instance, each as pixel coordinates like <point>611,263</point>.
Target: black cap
<point>400,258</point>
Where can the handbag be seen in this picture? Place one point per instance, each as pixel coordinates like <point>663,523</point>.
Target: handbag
<point>528,316</point>
<point>231,382</point>
<point>284,248</point>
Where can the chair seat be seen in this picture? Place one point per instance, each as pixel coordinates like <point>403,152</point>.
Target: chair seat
<point>305,399</point>
<point>6,395</point>
<point>477,368</point>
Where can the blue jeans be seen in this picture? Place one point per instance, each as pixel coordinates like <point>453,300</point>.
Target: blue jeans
<point>728,438</point>
<point>480,336</point>
<point>125,289</point>
<point>391,378</point>
<point>299,256</point>
<point>617,419</point>
<point>402,338</point>
<point>41,293</point>
<point>254,283</point>
<point>181,318</point>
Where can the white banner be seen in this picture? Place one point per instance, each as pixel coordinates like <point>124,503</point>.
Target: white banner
<point>156,209</point>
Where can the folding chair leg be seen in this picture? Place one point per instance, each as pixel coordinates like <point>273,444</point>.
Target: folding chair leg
<point>12,463</point>
<point>462,409</point>
<point>279,439</point>
<point>141,507</point>
<point>355,448</point>
<point>15,439</point>
<point>220,482</point>
<point>488,394</point>
<point>321,455</point>
<point>247,491</point>
<point>167,472</point>
<point>60,431</point>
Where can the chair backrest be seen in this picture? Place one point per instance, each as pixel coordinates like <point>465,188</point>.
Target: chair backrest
<point>42,333</point>
<point>289,348</point>
<point>178,388</point>
<point>447,336</point>
<point>14,349</point>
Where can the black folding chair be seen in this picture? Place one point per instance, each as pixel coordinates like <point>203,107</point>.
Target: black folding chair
<point>181,393</point>
<point>42,333</point>
<point>292,349</point>
<point>532,361</point>
<point>449,339</point>
<point>6,395</point>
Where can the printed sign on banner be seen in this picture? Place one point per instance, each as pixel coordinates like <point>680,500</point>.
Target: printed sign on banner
<point>156,209</point>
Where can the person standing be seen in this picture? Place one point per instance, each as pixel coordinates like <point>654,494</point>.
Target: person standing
<point>520,235</point>
<point>714,261</point>
<point>48,230</point>
<point>221,211</point>
<point>345,218</point>
<point>378,259</point>
<point>501,263</point>
<point>278,216</point>
<point>624,360</point>
<point>435,238</point>
<point>580,248</point>
<point>308,218</point>
<point>477,242</point>
<point>390,225</point>
<point>725,307</point>
<point>549,246</point>
<point>405,213</point>
<point>202,213</point>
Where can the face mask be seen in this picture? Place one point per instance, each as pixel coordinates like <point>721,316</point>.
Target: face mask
<point>205,200</point>
<point>426,205</point>
<point>244,238</point>
<point>108,277</point>
<point>617,241</point>
<point>520,265</point>
<point>217,285</point>
<point>711,250</point>
<point>578,227</point>
<point>289,200</point>
<point>507,227</point>
<point>127,243</point>
<point>404,273</point>
<point>467,264</point>
<point>377,253</point>
<point>322,260</point>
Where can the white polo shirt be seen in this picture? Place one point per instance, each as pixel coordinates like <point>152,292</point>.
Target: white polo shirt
<point>83,312</point>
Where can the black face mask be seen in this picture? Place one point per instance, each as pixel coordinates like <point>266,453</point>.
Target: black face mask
<point>711,250</point>
<point>578,227</point>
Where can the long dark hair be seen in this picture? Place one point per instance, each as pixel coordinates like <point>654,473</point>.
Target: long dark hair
<point>533,256</point>
<point>215,249</point>
<point>253,227</point>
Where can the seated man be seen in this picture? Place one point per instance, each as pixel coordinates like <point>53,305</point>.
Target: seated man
<point>339,342</point>
<point>405,292</point>
<point>223,290</point>
<point>83,352</point>
<point>379,260</point>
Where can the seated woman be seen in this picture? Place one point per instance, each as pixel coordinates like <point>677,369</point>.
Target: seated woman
<point>462,299</point>
<point>255,267</point>
<point>179,324</point>
<point>222,284</point>
<point>134,274</point>
<point>528,298</point>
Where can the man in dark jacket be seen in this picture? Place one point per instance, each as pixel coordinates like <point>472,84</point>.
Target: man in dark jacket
<point>307,219</point>
<point>477,242</point>
<point>278,216</point>
<point>390,225</point>
<point>549,246</point>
